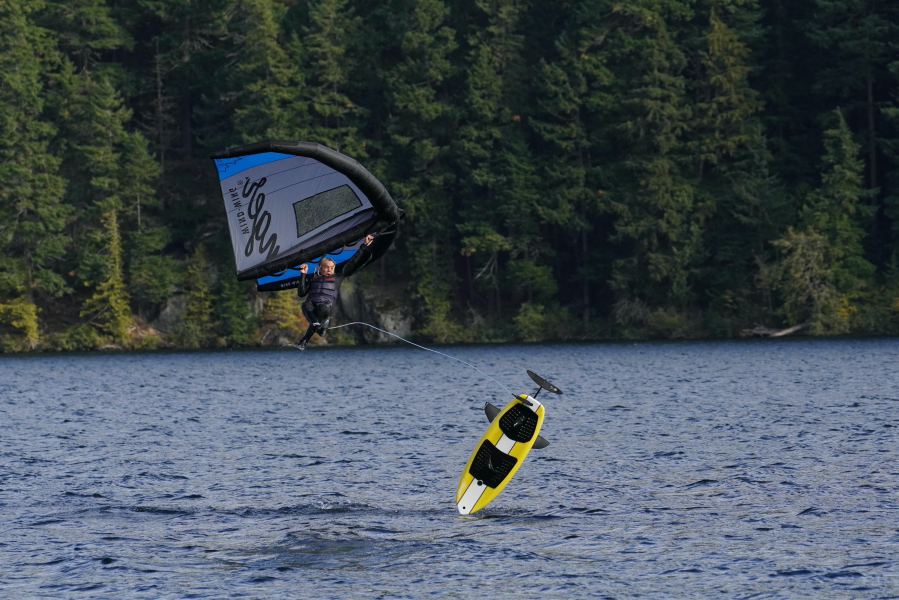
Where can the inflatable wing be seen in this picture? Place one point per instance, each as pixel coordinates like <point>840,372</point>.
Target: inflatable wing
<point>294,202</point>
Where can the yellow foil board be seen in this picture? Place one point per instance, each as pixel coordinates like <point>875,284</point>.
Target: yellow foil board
<point>499,454</point>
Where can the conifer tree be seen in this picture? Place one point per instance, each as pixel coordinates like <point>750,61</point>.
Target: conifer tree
<point>86,30</point>
<point>281,314</point>
<point>108,307</point>
<point>108,169</point>
<point>497,177</point>
<point>858,39</point>
<point>891,180</point>
<point>153,275</point>
<point>237,321</point>
<point>181,96</point>
<point>32,239</point>
<point>572,122</point>
<point>333,116</point>
<point>837,208</point>
<point>823,271</point>
<point>728,147</point>
<point>20,314</point>
<point>197,326</point>
<point>658,221</point>
<point>264,88</point>
<point>419,124</point>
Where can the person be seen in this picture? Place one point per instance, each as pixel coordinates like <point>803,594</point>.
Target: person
<point>323,288</point>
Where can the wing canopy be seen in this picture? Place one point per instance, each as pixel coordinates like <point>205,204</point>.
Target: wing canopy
<point>292,202</point>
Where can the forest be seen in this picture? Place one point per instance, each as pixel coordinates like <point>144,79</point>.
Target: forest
<point>569,170</point>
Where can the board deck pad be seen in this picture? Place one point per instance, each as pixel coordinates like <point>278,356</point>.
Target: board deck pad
<point>519,423</point>
<point>490,465</point>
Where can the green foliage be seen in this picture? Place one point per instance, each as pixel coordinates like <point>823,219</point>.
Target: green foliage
<point>417,127</point>
<point>32,237</point>
<point>86,30</point>
<point>334,118</point>
<point>805,283</point>
<point>531,322</point>
<point>108,307</point>
<point>822,273</point>
<point>651,168</point>
<point>264,85</point>
<point>836,208</point>
<point>657,213</point>
<point>21,314</point>
<point>77,338</point>
<point>238,324</point>
<point>282,316</point>
<point>197,329</point>
<point>153,275</point>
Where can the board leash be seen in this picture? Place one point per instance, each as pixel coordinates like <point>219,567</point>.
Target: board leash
<point>459,360</point>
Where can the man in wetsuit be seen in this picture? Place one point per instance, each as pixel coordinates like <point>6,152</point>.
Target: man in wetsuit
<point>324,286</point>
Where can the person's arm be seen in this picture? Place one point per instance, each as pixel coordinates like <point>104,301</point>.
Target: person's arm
<point>359,260</point>
<point>303,289</point>
<point>372,249</point>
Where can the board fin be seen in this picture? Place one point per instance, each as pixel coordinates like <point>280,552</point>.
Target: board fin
<point>491,411</point>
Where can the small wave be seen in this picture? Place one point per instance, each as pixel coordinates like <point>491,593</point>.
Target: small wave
<point>840,574</point>
<point>667,454</point>
<point>78,495</point>
<point>818,512</point>
<point>701,483</point>
<point>793,573</point>
<point>870,564</point>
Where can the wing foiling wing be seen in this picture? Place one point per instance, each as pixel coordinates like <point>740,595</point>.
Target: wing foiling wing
<point>294,202</point>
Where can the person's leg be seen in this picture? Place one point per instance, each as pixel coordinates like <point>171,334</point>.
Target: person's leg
<point>309,313</point>
<point>323,314</point>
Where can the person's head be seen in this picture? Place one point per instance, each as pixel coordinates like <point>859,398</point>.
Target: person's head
<point>326,267</point>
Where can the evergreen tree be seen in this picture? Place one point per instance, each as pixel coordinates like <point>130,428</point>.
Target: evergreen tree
<point>572,123</point>
<point>108,307</point>
<point>858,38</point>
<point>281,315</point>
<point>333,116</point>
<point>197,326</point>
<point>419,125</point>
<point>837,208</point>
<point>153,276</point>
<point>497,177</point>
<point>891,183</point>
<point>237,321</point>
<point>108,168</point>
<point>86,30</point>
<point>728,146</point>
<point>659,222</point>
<point>823,272</point>
<point>32,240</point>
<point>264,86</point>
<point>179,71</point>
<point>21,315</point>
<point>805,284</point>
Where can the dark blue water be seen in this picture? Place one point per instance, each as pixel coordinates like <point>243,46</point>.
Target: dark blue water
<point>748,469</point>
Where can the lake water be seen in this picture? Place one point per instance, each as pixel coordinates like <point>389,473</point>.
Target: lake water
<point>735,469</point>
